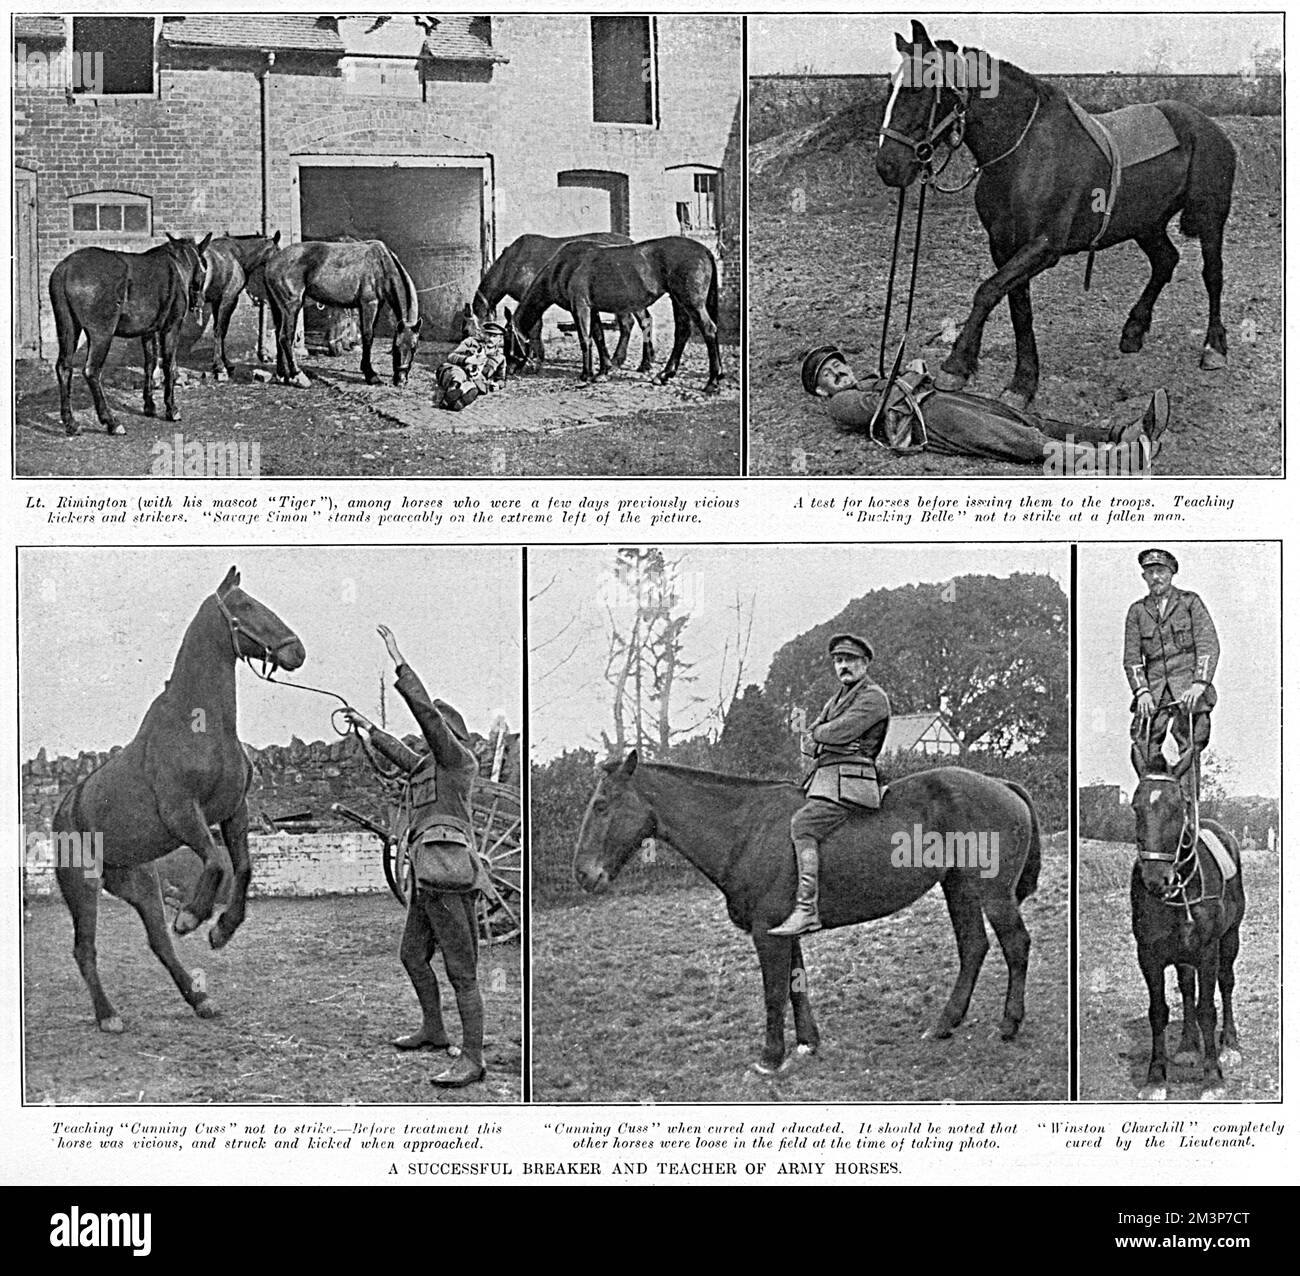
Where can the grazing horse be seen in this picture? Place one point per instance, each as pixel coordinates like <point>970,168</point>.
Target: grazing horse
<point>355,275</point>
<point>586,280</point>
<point>1185,914</point>
<point>1045,189</point>
<point>109,294</point>
<point>184,771</point>
<point>737,833</point>
<point>517,267</point>
<point>232,259</point>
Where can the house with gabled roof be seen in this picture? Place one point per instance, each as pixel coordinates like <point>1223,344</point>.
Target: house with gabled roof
<point>447,136</point>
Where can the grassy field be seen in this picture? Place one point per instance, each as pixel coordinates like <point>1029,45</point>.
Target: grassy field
<point>657,998</point>
<point>310,990</point>
<point>1114,1036</point>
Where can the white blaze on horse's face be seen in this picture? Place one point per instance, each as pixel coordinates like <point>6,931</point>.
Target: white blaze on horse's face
<point>893,98</point>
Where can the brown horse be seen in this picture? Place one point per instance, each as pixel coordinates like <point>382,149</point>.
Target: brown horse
<point>1186,915</point>
<point>587,280</point>
<point>232,259</point>
<point>355,275</point>
<point>110,294</point>
<point>512,273</point>
<point>184,771</point>
<point>737,833</point>
<point>1044,191</point>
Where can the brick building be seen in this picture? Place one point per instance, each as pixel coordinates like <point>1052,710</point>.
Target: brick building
<point>446,136</point>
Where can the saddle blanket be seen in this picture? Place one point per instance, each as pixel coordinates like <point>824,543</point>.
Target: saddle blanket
<point>1132,135</point>
<point>1214,844</point>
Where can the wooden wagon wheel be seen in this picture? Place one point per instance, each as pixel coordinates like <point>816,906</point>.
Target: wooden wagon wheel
<point>498,824</point>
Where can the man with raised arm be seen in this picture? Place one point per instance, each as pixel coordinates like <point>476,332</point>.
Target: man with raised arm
<point>446,872</point>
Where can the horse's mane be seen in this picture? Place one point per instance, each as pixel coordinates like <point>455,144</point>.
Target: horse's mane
<point>716,777</point>
<point>1018,75</point>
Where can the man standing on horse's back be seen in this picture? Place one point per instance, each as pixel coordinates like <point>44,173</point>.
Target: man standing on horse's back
<point>441,914</point>
<point>1171,651</point>
<point>847,738</point>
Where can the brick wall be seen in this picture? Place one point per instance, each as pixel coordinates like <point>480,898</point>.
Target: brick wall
<point>196,149</point>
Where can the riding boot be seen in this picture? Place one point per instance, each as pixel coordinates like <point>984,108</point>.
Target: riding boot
<point>804,919</point>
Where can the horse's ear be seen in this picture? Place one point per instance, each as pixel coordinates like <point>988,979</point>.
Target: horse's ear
<point>921,36</point>
<point>171,237</point>
<point>629,764</point>
<point>902,45</point>
<point>275,239</point>
<point>207,239</point>
<point>231,582</point>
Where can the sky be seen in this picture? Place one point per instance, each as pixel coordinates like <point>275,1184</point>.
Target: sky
<point>1040,43</point>
<point>99,630</point>
<point>793,587</point>
<point>1240,584</point>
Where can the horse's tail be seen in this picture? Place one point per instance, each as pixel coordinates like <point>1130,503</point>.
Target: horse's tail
<point>1210,175</point>
<point>711,301</point>
<point>66,323</point>
<point>1028,882</point>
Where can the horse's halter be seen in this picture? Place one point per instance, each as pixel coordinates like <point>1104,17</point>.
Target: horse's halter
<point>270,664</point>
<point>923,149</point>
<point>1185,859</point>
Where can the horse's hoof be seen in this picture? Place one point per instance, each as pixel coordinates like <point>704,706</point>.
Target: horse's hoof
<point>185,922</point>
<point>805,1051</point>
<point>220,374</point>
<point>173,414</point>
<point>71,429</point>
<point>217,937</point>
<point>936,1033</point>
<point>1187,1057</point>
<point>1153,1093</point>
<point>767,1070</point>
<point>112,1024</point>
<point>1131,342</point>
<point>1008,1029</point>
<point>1014,399</point>
<point>206,1009</point>
<point>372,379</point>
<point>116,429</point>
<point>949,381</point>
<point>1230,1058</point>
<point>1212,360</point>
<point>149,410</point>
<point>600,378</point>
<point>712,387</point>
<point>1214,1094</point>
<point>302,382</point>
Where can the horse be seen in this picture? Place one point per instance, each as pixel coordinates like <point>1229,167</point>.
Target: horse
<point>358,275</point>
<point>108,294</point>
<point>737,833</point>
<point>586,280</point>
<point>517,267</point>
<point>232,259</point>
<point>1185,915</point>
<point>1045,191</point>
<point>184,771</point>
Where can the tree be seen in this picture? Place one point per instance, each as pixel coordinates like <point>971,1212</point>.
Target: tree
<point>756,740</point>
<point>991,654</point>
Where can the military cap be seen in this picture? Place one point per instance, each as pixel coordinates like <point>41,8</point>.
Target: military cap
<point>814,361</point>
<point>1157,558</point>
<point>850,645</point>
<point>453,720</point>
<point>498,328</point>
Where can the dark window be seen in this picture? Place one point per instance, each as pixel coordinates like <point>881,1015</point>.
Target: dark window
<point>110,213</point>
<point>622,71</point>
<point>112,55</point>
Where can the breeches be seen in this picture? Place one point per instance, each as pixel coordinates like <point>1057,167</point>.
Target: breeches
<point>445,922</point>
<point>818,819</point>
<point>1148,744</point>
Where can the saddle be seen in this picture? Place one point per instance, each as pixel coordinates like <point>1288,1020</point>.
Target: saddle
<point>1127,137</point>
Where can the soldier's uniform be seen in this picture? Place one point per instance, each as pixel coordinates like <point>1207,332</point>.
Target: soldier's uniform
<point>476,366</point>
<point>910,415</point>
<point>1166,650</point>
<point>442,783</point>
<point>847,737</point>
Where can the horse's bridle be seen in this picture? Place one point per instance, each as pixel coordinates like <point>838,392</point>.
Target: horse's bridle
<point>923,148</point>
<point>1185,859</point>
<point>268,659</point>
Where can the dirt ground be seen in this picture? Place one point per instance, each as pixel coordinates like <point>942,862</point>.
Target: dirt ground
<point>541,424</point>
<point>1114,1036</point>
<point>820,239</point>
<point>310,992</point>
<point>657,998</point>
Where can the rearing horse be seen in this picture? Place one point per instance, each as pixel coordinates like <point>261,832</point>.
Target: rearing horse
<point>737,833</point>
<point>1045,191</point>
<point>1185,914</point>
<point>184,771</point>
<point>353,275</point>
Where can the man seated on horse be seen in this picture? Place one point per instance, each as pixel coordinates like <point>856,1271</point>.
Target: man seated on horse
<point>476,366</point>
<point>447,871</point>
<point>847,736</point>
<point>1171,652</point>
<point>906,413</point>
